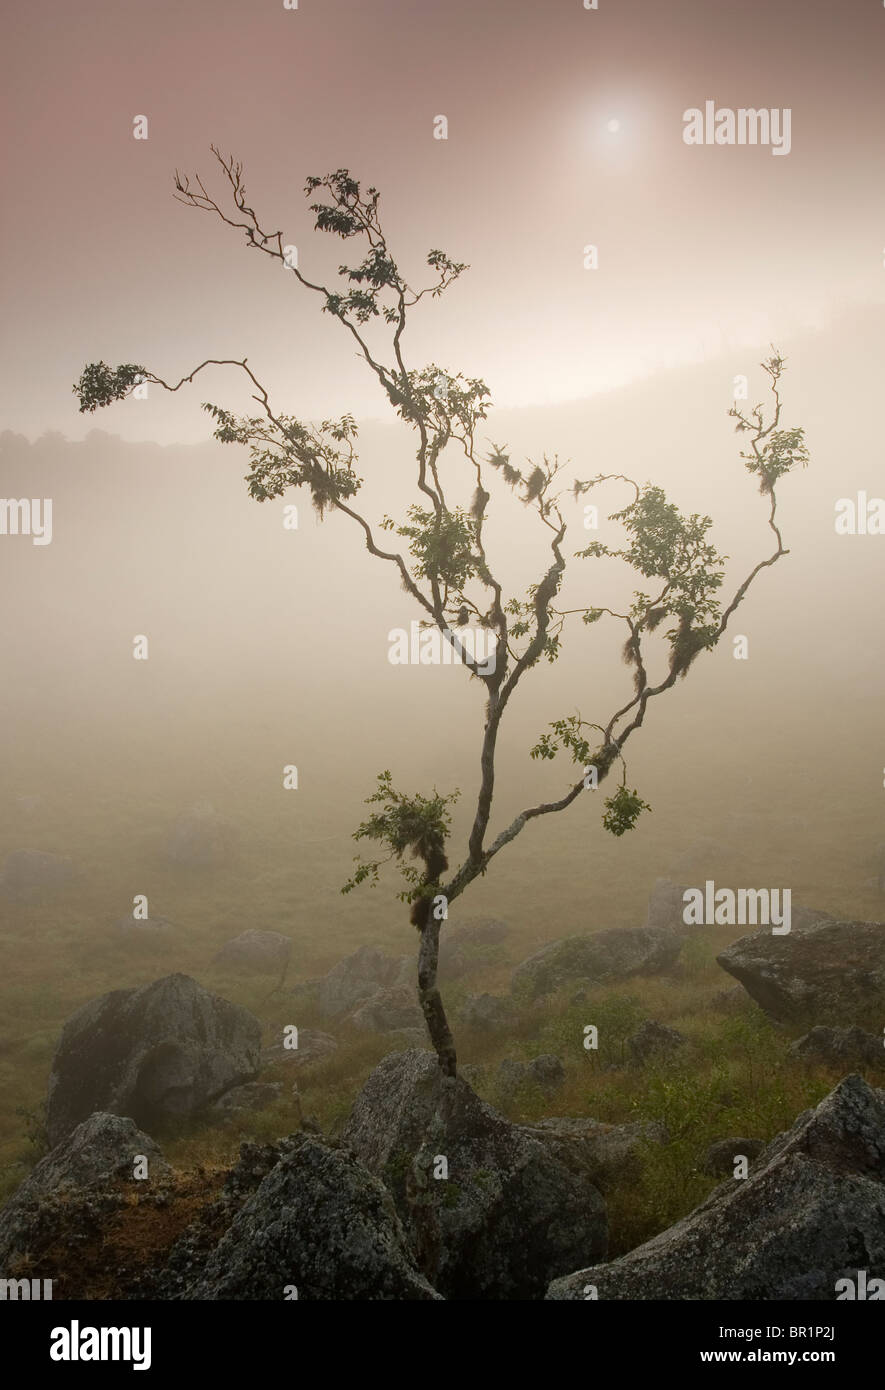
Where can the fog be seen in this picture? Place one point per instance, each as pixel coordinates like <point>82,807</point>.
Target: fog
<point>269,647</point>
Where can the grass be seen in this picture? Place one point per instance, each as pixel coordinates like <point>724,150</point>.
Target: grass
<point>111,811</point>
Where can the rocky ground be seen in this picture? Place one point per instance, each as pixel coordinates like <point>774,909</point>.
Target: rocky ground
<point>427,1190</point>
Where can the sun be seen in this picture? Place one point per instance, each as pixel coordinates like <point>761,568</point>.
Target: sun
<point>613,126</point>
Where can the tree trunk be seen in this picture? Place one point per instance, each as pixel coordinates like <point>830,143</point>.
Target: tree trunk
<point>429,995</point>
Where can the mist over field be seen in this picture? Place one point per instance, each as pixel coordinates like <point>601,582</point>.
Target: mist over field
<point>269,647</point>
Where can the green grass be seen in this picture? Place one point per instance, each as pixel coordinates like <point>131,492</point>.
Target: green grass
<point>110,808</point>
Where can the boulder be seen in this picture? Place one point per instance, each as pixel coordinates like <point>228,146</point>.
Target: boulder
<point>259,951</point>
<point>487,1013</point>
<point>358,977</point>
<point>164,1050</point>
<point>508,1211</point>
<point>840,1047</point>
<point>545,1071</point>
<point>313,1046</point>
<point>812,1211</point>
<point>29,875</point>
<point>719,1158</point>
<point>653,1040</point>
<point>101,1150</point>
<point>609,1155</point>
<point>201,838</point>
<point>254,1095</point>
<point>820,972</point>
<point>666,906</point>
<point>597,957</point>
<point>388,1010</point>
<point>318,1222</point>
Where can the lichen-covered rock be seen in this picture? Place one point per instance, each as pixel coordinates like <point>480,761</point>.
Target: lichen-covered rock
<point>545,1071</point>
<point>840,1047</point>
<point>719,1158</point>
<point>487,1013</point>
<point>255,1095</point>
<point>812,1211</point>
<point>358,977</point>
<point>389,1010</point>
<point>313,1046</point>
<point>259,951</point>
<point>100,1151</point>
<point>608,1155</point>
<point>507,1212</point>
<point>654,1040</point>
<point>165,1050</point>
<point>819,972</point>
<point>666,907</point>
<point>319,1224</point>
<point>597,957</point>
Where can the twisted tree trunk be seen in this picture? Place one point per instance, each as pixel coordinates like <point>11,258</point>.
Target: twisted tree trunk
<point>429,995</point>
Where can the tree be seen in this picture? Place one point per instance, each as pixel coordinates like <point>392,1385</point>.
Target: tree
<point>445,568</point>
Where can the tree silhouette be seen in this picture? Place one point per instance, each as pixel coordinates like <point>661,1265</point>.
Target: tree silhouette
<point>443,564</point>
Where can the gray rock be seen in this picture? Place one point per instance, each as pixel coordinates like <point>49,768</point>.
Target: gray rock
<point>843,1047</point>
<point>652,1040</point>
<point>255,1095</point>
<point>820,972</point>
<point>510,1077</point>
<point>388,1010</point>
<point>260,951</point>
<point>487,1013</point>
<point>812,1211</point>
<point>313,1046</point>
<point>165,1050</point>
<point>609,1155</point>
<point>201,838</point>
<point>29,875</point>
<point>597,957</point>
<point>319,1222</point>
<point>719,1158</point>
<point>509,1210</point>
<point>545,1071</point>
<point>99,1151</point>
<point>666,906</point>
<point>358,977</point>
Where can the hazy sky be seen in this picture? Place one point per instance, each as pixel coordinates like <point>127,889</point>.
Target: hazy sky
<point>700,248</point>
